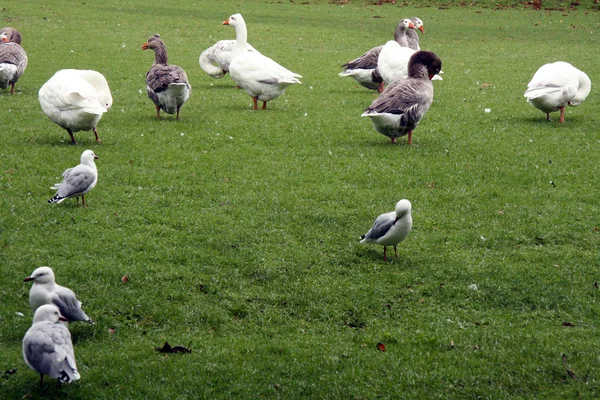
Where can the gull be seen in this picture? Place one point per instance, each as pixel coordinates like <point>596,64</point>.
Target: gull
<point>46,291</point>
<point>47,346</point>
<point>77,181</point>
<point>391,228</point>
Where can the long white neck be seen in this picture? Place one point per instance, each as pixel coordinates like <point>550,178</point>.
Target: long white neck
<point>585,86</point>
<point>241,35</point>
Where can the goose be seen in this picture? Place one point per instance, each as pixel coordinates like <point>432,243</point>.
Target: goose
<point>13,61</point>
<point>399,109</point>
<point>77,181</point>
<point>364,68</point>
<point>391,228</point>
<point>557,85</point>
<point>45,290</point>
<point>12,34</point>
<point>216,59</point>
<point>47,346</point>
<point>75,100</point>
<point>261,77</point>
<point>167,85</point>
<point>413,36</point>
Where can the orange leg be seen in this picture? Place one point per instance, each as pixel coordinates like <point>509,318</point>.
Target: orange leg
<point>12,88</point>
<point>562,115</point>
<point>157,111</point>
<point>264,107</point>
<point>255,100</point>
<point>381,87</point>
<point>410,137</point>
<point>96,133</point>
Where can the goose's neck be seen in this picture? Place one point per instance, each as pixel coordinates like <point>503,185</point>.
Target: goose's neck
<point>160,55</point>
<point>241,36</point>
<point>418,70</point>
<point>400,34</point>
<point>585,86</point>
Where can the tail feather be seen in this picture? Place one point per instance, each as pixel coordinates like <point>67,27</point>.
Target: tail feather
<point>56,199</point>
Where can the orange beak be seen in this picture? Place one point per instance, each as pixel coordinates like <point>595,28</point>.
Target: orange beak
<point>411,25</point>
<point>226,22</point>
<point>422,29</point>
<point>145,46</point>
<point>5,40</point>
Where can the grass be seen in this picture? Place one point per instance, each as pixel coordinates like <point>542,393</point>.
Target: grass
<point>238,229</point>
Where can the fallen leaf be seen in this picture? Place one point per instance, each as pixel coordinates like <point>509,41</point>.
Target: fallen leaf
<point>571,373</point>
<point>442,285</point>
<point>175,349</point>
<point>381,347</point>
<point>475,347</point>
<point>570,325</point>
<point>451,344</point>
<point>124,279</point>
<point>111,330</point>
<point>596,284</point>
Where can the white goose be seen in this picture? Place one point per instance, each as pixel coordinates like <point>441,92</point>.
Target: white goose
<point>216,59</point>
<point>75,100</point>
<point>13,61</point>
<point>261,77</point>
<point>557,85</point>
<point>391,228</point>
<point>399,109</point>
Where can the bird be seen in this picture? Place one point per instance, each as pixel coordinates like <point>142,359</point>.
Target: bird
<point>77,181</point>
<point>364,68</point>
<point>412,35</point>
<point>557,85</point>
<point>167,85</point>
<point>13,61</point>
<point>47,346</point>
<point>75,100</point>
<point>261,77</point>
<point>391,228</point>
<point>45,290</point>
<point>12,34</point>
<point>399,109</point>
<point>216,59</point>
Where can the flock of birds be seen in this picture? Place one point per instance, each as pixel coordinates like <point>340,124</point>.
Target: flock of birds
<point>76,100</point>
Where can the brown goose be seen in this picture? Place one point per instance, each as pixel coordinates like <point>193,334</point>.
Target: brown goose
<point>413,37</point>
<point>167,85</point>
<point>399,109</point>
<point>364,68</point>
<point>12,34</point>
<point>13,61</point>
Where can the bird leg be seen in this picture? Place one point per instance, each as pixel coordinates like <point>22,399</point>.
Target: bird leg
<point>157,111</point>
<point>264,107</point>
<point>381,87</point>
<point>83,204</point>
<point>178,107</point>
<point>96,133</point>
<point>12,88</point>
<point>562,115</point>
<point>77,198</point>
<point>410,137</point>
<point>41,379</point>
<point>547,116</point>
<point>393,140</point>
<point>396,251</point>
<point>384,253</point>
<point>255,100</point>
<point>72,137</point>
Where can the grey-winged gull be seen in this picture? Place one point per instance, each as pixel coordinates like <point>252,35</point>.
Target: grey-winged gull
<point>46,291</point>
<point>77,181</point>
<point>47,346</point>
<point>391,228</point>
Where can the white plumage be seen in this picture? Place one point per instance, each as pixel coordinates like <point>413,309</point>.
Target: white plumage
<point>76,100</point>
<point>77,181</point>
<point>216,59</point>
<point>45,290</point>
<point>261,77</point>
<point>391,228</point>
<point>557,85</point>
<point>47,346</point>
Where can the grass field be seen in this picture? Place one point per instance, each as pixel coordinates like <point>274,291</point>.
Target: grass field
<point>238,229</point>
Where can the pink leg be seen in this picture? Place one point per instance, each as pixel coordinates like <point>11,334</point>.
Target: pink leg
<point>255,100</point>
<point>12,88</point>
<point>562,115</point>
<point>381,87</point>
<point>157,111</point>
<point>393,140</point>
<point>410,137</point>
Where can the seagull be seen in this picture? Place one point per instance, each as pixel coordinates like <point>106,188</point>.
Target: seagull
<point>47,346</point>
<point>391,228</point>
<point>77,181</point>
<point>46,291</point>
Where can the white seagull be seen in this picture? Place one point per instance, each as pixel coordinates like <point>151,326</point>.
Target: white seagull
<point>46,291</point>
<point>47,346</point>
<point>391,228</point>
<point>77,181</point>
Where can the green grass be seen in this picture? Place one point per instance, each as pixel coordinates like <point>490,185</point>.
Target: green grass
<point>238,229</point>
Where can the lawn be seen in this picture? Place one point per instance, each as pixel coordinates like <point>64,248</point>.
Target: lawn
<point>238,229</point>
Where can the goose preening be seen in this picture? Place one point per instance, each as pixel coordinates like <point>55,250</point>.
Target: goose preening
<point>399,109</point>
<point>75,100</point>
<point>557,85</point>
<point>216,59</point>
<point>47,346</point>
<point>391,228</point>
<point>77,181</point>
<point>261,77</point>
<point>364,68</point>
<point>46,291</point>
<point>12,34</point>
<point>167,85</point>
<point>13,61</point>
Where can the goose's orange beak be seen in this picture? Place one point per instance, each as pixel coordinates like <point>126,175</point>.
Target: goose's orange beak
<point>411,25</point>
<point>226,22</point>
<point>145,46</point>
<point>422,29</point>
